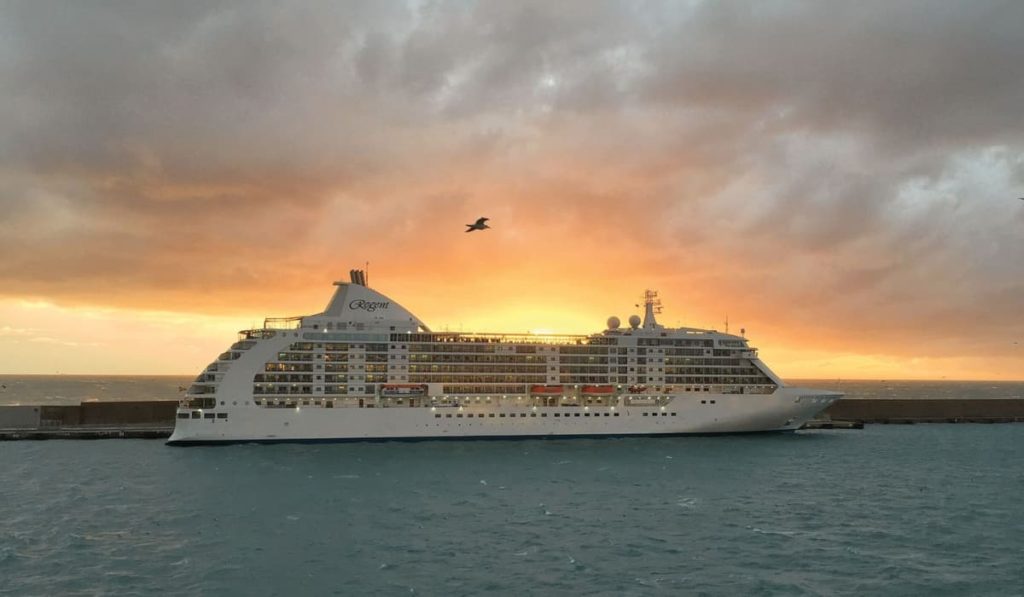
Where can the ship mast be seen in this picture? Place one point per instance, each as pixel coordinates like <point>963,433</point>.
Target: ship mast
<point>652,306</point>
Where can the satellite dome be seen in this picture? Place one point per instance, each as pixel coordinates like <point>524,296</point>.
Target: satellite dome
<point>634,321</point>
<point>613,323</point>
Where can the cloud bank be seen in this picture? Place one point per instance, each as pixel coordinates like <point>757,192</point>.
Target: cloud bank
<point>838,174</point>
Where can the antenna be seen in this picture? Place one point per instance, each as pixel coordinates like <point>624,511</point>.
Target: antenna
<point>652,306</point>
<point>366,282</point>
<point>727,323</point>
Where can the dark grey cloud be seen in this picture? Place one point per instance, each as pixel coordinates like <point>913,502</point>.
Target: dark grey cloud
<point>866,155</point>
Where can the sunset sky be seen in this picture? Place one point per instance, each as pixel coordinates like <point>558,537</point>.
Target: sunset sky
<point>841,179</point>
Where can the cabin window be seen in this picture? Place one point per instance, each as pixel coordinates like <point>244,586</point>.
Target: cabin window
<point>222,415</point>
<point>183,415</point>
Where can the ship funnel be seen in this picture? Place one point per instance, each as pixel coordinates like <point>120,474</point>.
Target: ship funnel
<point>357,276</point>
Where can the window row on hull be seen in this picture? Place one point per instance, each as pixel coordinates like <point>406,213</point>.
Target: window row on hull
<point>472,378</point>
<point>468,396</point>
<point>476,358</point>
<point>477,369</point>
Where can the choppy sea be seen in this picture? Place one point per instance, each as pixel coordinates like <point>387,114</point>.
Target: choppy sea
<point>888,510</point>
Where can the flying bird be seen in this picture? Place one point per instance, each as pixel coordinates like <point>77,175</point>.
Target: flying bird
<point>480,224</point>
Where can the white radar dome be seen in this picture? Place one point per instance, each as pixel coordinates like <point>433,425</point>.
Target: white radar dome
<point>634,321</point>
<point>613,323</point>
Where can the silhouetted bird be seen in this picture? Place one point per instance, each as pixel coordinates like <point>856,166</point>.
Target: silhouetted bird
<point>480,224</point>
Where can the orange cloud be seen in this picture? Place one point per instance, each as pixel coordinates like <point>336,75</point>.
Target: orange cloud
<point>222,164</point>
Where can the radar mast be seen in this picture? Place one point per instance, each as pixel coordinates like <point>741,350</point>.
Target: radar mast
<point>652,306</point>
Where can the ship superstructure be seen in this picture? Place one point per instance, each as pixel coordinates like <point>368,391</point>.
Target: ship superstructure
<point>367,368</point>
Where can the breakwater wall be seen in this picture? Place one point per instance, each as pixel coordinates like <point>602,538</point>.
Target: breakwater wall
<point>921,410</point>
<point>89,420</point>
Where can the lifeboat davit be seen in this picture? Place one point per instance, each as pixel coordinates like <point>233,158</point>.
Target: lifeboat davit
<point>395,389</point>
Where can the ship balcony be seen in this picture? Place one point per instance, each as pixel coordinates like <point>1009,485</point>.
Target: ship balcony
<point>257,334</point>
<point>197,403</point>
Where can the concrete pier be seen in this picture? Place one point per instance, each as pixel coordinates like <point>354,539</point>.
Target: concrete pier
<point>139,419</point>
<point>897,411</point>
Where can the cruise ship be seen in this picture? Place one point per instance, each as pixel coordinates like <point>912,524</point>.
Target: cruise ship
<point>366,368</point>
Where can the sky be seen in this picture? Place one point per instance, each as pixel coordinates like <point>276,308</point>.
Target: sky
<point>839,179</point>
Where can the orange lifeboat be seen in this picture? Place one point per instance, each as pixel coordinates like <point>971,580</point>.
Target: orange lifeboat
<point>598,390</point>
<point>547,390</point>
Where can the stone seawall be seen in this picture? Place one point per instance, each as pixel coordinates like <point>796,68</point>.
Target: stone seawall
<point>89,420</point>
<point>137,412</point>
<point>966,410</point>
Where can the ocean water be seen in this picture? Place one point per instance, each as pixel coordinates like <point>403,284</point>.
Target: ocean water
<point>888,510</point>
<point>72,389</point>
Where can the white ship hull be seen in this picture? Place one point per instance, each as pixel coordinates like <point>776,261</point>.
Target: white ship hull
<point>367,369</point>
<point>700,413</point>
